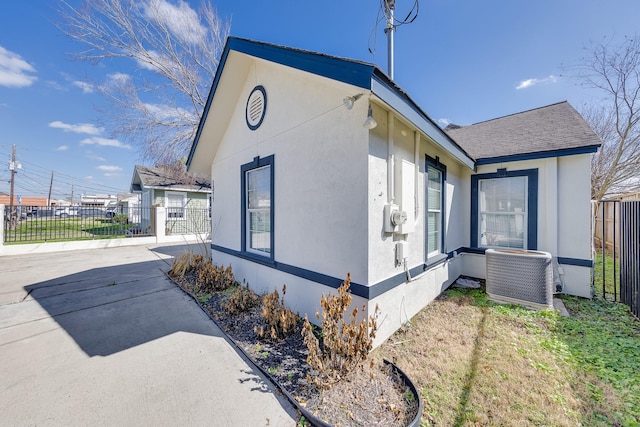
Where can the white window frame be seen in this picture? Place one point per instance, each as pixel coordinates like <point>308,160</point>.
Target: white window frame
<point>519,219</point>
<point>263,210</point>
<point>438,211</point>
<point>168,208</point>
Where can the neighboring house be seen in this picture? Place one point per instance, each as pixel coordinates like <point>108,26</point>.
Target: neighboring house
<point>26,201</point>
<point>98,200</point>
<point>325,166</point>
<point>187,199</point>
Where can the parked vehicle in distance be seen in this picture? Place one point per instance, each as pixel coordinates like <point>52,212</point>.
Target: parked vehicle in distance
<point>111,212</point>
<point>91,212</point>
<point>41,213</point>
<point>66,212</point>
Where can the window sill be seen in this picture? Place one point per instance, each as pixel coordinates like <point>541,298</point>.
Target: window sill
<point>260,259</point>
<point>435,260</point>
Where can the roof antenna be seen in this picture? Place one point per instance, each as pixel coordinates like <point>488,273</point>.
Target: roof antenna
<point>390,7</point>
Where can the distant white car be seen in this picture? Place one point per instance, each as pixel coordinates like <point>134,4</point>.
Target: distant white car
<point>66,212</point>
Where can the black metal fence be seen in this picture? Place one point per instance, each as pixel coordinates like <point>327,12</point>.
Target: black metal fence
<point>630,255</point>
<point>31,224</point>
<point>616,237</point>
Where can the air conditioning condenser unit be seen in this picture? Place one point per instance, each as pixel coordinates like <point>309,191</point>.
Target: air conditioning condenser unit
<point>520,277</point>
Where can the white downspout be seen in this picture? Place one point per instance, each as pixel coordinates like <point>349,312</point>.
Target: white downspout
<point>390,159</point>
<point>416,162</point>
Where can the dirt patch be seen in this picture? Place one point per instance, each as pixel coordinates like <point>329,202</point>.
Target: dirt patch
<point>371,396</point>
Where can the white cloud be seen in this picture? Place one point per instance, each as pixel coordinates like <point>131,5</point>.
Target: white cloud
<point>532,82</point>
<point>86,128</point>
<point>180,19</point>
<point>118,78</point>
<point>106,142</point>
<point>444,122</point>
<point>56,85</point>
<point>88,177</point>
<point>108,168</point>
<point>86,87</point>
<point>164,112</point>
<point>94,157</point>
<point>62,148</point>
<point>14,71</point>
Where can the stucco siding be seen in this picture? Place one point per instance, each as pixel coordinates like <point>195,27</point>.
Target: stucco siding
<point>563,214</point>
<point>320,172</point>
<point>382,259</point>
<point>574,221</point>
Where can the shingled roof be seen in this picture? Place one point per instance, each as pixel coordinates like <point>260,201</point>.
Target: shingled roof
<point>552,130</point>
<point>158,178</point>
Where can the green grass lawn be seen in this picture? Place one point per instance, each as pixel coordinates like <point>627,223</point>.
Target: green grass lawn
<point>609,290</point>
<point>56,230</point>
<point>480,363</point>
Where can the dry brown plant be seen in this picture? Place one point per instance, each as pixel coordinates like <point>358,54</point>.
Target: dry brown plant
<point>213,278</point>
<point>180,265</point>
<point>280,321</point>
<point>241,299</point>
<point>345,345</point>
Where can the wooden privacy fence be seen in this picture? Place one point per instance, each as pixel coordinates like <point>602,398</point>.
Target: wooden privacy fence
<point>606,224</point>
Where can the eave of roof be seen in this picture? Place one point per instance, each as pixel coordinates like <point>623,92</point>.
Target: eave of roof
<point>538,155</point>
<point>550,131</point>
<point>357,73</point>
<point>142,180</point>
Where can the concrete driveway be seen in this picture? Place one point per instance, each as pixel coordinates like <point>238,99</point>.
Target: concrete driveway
<point>101,337</point>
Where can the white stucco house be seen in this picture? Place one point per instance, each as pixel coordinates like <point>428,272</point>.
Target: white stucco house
<point>187,199</point>
<point>308,187</point>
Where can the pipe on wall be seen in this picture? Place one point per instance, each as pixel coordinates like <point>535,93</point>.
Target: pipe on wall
<point>390,158</point>
<point>416,162</point>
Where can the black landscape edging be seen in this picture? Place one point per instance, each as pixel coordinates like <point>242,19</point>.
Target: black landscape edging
<point>313,420</point>
<point>407,381</point>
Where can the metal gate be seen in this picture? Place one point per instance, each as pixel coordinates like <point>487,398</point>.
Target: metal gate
<point>630,255</point>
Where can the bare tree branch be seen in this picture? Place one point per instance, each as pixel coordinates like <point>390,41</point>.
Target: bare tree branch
<point>614,70</point>
<point>177,50</point>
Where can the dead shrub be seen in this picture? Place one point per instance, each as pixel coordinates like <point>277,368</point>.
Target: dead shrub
<point>212,278</point>
<point>181,265</point>
<point>280,321</point>
<point>241,299</point>
<point>185,263</point>
<point>345,346</point>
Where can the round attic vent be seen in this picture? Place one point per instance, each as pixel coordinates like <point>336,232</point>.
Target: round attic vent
<point>256,107</point>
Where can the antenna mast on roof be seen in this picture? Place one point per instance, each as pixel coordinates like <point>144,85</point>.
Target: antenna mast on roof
<point>390,7</point>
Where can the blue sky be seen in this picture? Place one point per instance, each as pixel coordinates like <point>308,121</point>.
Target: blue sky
<point>462,61</point>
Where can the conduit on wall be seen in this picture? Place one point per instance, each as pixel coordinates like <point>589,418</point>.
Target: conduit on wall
<point>390,158</point>
<point>416,162</point>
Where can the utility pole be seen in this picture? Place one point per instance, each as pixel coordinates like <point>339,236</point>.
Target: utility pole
<point>50,187</point>
<point>390,5</point>
<point>12,168</point>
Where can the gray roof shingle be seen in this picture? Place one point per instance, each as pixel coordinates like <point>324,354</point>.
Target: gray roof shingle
<point>551,128</point>
<point>152,177</point>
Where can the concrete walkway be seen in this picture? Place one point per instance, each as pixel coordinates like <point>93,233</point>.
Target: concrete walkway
<point>102,338</point>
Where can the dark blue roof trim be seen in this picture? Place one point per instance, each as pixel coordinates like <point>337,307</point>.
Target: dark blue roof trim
<point>207,106</point>
<point>403,104</point>
<point>540,155</point>
<point>340,69</point>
